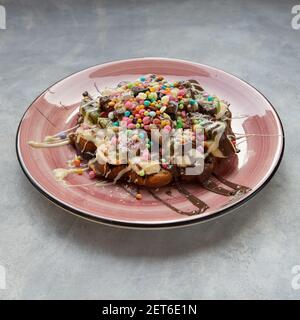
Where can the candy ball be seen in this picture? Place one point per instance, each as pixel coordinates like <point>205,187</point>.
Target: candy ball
<point>174,92</point>
<point>76,162</point>
<point>142,173</point>
<point>182,92</point>
<point>141,96</point>
<point>138,196</point>
<point>142,135</point>
<point>146,120</point>
<point>92,174</point>
<point>152,95</point>
<point>62,135</point>
<point>128,104</point>
<point>167,128</point>
<point>156,121</point>
<point>130,85</point>
<point>165,99</point>
<point>147,103</point>
<point>131,126</point>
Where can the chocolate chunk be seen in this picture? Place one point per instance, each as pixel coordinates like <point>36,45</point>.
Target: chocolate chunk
<point>103,102</point>
<point>88,155</point>
<point>196,85</point>
<point>137,90</point>
<point>172,107</point>
<point>159,95</point>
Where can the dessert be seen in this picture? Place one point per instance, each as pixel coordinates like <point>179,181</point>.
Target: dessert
<point>151,133</point>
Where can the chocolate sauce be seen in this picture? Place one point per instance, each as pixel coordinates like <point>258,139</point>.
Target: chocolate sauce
<point>232,185</point>
<point>131,191</point>
<point>210,185</point>
<point>169,193</point>
<point>194,200</point>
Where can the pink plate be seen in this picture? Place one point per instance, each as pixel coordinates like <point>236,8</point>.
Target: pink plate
<point>56,108</point>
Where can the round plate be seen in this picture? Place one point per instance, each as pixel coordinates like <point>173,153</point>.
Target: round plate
<point>56,109</point>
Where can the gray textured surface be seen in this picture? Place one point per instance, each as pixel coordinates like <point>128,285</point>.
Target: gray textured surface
<point>50,254</point>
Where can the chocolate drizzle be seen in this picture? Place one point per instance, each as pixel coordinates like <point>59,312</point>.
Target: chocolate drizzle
<point>202,206</point>
<point>210,185</point>
<point>236,187</point>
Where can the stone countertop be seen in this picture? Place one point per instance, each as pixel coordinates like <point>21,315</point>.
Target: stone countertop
<point>48,253</point>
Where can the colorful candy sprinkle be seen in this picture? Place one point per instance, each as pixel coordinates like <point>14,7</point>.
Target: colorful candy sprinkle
<point>62,136</point>
<point>146,120</point>
<point>142,173</point>
<point>76,162</point>
<point>138,196</point>
<point>165,99</point>
<point>92,174</point>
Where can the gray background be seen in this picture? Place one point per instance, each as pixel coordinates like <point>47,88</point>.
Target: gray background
<point>48,253</point>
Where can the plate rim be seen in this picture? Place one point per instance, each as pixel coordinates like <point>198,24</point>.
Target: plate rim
<point>152,225</point>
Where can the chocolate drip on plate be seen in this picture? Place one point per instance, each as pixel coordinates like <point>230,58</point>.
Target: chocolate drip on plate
<point>232,185</point>
<point>194,200</point>
<point>210,185</point>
